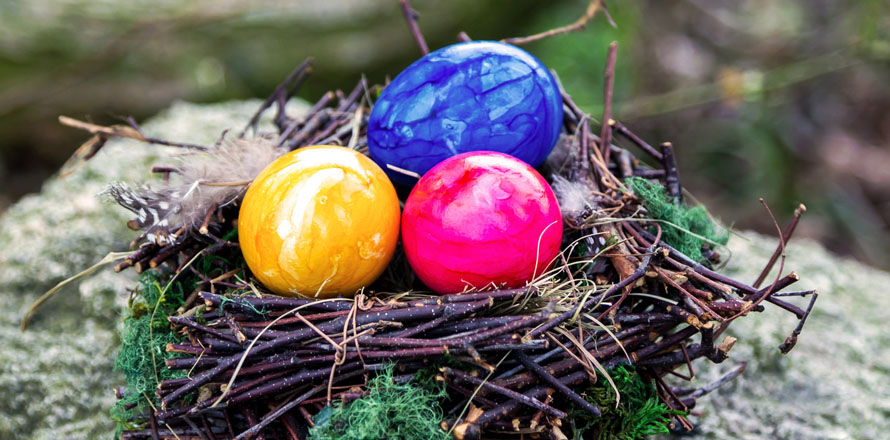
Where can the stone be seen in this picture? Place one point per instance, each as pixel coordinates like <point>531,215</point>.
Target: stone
<point>835,384</point>
<point>56,378</point>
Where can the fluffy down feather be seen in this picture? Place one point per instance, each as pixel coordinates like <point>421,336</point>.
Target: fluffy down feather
<point>201,182</point>
<point>573,196</point>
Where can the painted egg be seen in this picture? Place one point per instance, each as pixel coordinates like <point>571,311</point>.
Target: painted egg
<point>318,222</point>
<point>480,218</point>
<point>479,95</point>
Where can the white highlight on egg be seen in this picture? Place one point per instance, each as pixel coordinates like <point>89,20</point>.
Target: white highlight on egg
<point>296,213</point>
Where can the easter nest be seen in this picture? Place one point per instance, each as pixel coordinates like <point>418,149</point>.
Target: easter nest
<point>595,347</point>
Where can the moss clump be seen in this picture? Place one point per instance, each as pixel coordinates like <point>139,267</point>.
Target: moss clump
<point>684,229</point>
<point>638,415</point>
<point>144,338</point>
<point>389,410</point>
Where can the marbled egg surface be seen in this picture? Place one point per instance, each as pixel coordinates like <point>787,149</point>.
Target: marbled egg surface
<point>318,222</point>
<point>479,95</point>
<point>479,218</point>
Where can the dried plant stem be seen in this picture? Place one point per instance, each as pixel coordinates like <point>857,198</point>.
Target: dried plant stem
<point>791,341</point>
<point>608,86</point>
<point>282,92</point>
<point>785,237</point>
<point>123,131</point>
<point>566,391</point>
<point>671,176</point>
<point>592,8</point>
<point>624,131</point>
<point>411,17</point>
<point>526,400</point>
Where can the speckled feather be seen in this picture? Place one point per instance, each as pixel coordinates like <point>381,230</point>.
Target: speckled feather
<point>185,199</point>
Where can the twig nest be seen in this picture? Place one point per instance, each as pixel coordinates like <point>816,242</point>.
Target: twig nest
<point>480,218</point>
<point>479,95</point>
<point>319,221</point>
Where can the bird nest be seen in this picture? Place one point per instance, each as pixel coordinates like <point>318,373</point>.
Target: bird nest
<point>593,348</point>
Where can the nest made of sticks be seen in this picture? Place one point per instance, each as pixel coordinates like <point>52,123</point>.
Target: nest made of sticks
<point>634,296</point>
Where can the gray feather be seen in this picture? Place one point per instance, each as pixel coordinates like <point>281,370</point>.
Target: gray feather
<point>184,201</point>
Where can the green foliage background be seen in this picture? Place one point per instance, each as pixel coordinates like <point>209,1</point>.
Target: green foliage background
<point>782,100</point>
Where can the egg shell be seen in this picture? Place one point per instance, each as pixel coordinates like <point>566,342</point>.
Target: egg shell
<point>480,218</point>
<point>478,95</point>
<point>318,222</point>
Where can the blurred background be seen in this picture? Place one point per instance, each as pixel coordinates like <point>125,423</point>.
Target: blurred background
<point>785,100</point>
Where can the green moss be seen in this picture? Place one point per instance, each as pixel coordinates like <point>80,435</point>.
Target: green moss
<point>390,410</point>
<point>638,414</point>
<point>684,229</point>
<point>145,335</point>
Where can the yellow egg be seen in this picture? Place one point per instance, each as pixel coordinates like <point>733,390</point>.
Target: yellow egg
<point>318,222</point>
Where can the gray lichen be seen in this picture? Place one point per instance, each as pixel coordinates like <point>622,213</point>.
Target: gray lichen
<point>835,384</point>
<point>56,379</point>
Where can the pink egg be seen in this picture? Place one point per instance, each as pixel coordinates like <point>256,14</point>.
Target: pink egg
<point>480,218</point>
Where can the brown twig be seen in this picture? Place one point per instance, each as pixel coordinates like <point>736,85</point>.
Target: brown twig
<point>791,341</point>
<point>566,391</point>
<point>525,400</point>
<point>124,131</point>
<point>608,85</point>
<point>283,90</point>
<point>624,131</point>
<point>671,176</point>
<point>785,237</point>
<point>269,418</point>
<point>592,8</point>
<point>411,17</point>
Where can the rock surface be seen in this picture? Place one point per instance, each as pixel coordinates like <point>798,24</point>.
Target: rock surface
<point>835,384</point>
<point>56,379</point>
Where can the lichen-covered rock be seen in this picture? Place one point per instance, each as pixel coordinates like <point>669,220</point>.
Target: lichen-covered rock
<point>56,379</point>
<point>835,384</point>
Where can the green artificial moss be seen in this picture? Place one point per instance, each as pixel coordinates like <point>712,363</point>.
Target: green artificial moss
<point>685,229</point>
<point>638,415</point>
<point>389,410</point>
<point>144,337</point>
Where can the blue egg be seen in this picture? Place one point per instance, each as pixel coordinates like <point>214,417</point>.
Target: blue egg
<point>479,95</point>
